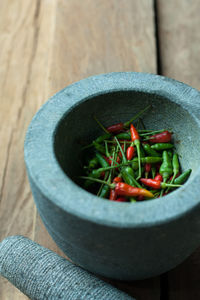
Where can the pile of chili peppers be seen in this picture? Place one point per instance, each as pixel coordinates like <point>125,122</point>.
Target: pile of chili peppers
<point>127,164</point>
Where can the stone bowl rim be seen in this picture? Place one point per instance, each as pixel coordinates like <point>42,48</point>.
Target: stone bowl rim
<point>43,167</point>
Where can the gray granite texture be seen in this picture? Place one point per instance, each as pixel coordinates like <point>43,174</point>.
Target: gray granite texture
<point>43,275</point>
<point>119,240</point>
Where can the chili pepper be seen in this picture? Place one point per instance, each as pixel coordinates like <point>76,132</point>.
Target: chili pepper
<point>162,146</point>
<point>148,159</point>
<point>130,152</point>
<point>170,153</point>
<point>123,189</point>
<point>157,184</point>
<point>136,139</point>
<point>153,171</point>
<point>121,199</point>
<point>113,194</point>
<point>183,177</point>
<point>140,198</point>
<point>150,151</point>
<point>102,174</point>
<point>163,137</point>
<point>93,163</point>
<point>115,128</point>
<point>117,179</point>
<point>176,167</point>
<point>102,138</point>
<point>166,169</point>
<point>124,135</point>
<point>175,177</point>
<point>158,177</point>
<point>147,168</point>
<point>99,147</point>
<point>102,160</point>
<point>150,132</point>
<point>128,176</point>
<point>132,200</point>
<point>105,191</point>
<point>94,174</point>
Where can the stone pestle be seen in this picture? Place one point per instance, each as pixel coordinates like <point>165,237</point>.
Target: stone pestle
<point>42,274</point>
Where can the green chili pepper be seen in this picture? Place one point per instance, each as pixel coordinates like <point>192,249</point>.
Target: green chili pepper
<point>128,176</point>
<point>150,151</point>
<point>94,174</point>
<point>93,163</point>
<point>105,191</point>
<point>132,200</point>
<point>166,169</point>
<point>124,136</point>
<point>149,159</point>
<point>183,177</point>
<point>103,137</point>
<point>153,172</point>
<point>170,153</point>
<point>162,146</point>
<point>99,147</point>
<point>176,167</point>
<point>101,160</point>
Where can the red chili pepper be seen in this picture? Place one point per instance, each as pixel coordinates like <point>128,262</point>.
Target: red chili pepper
<point>147,167</point>
<point>113,194</point>
<point>156,184</point>
<point>136,140</point>
<point>140,198</point>
<point>134,133</point>
<point>121,199</point>
<point>117,179</point>
<point>130,152</point>
<point>102,174</point>
<point>158,177</point>
<point>124,189</point>
<point>109,160</point>
<point>163,137</point>
<point>115,128</point>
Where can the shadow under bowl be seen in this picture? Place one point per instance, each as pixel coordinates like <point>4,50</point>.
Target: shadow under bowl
<point>118,240</point>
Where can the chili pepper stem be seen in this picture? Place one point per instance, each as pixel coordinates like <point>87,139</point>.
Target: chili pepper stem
<point>126,124</point>
<point>137,143</point>
<point>100,125</point>
<point>123,155</point>
<point>112,186</point>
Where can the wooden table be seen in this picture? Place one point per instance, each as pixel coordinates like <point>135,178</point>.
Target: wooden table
<point>48,44</point>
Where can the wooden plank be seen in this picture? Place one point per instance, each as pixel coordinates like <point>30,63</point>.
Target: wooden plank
<point>179,36</point>
<point>93,37</point>
<point>24,59</point>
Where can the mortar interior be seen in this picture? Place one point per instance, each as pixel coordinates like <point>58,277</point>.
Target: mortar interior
<point>78,126</point>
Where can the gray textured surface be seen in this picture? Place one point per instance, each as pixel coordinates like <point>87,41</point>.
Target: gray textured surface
<point>42,274</point>
<point>118,240</point>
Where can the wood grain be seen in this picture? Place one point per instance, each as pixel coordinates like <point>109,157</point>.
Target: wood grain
<point>24,59</point>
<point>46,45</point>
<point>179,36</point>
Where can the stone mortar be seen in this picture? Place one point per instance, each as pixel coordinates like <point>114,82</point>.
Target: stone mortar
<point>118,240</point>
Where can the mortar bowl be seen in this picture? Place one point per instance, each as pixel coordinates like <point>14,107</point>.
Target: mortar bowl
<point>126,241</point>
